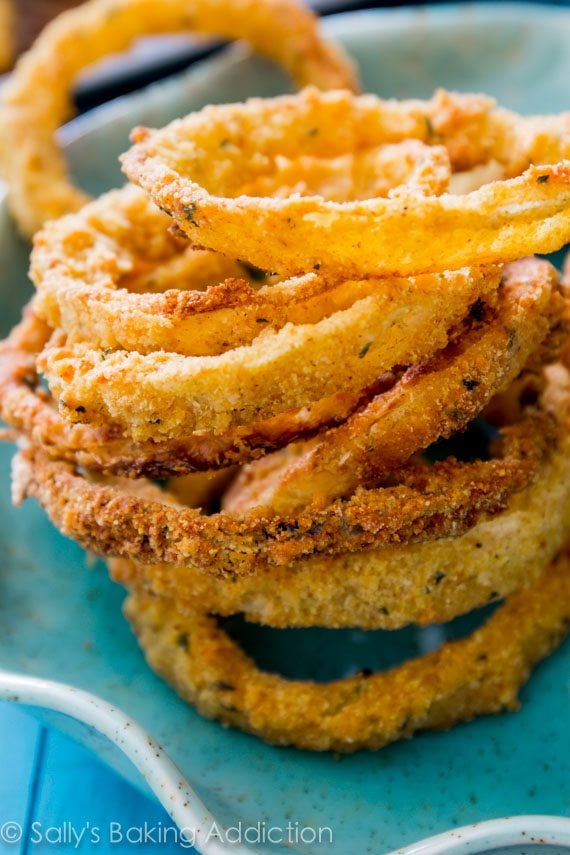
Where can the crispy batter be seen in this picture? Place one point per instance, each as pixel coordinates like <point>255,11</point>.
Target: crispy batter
<point>382,171</point>
<point>29,410</point>
<point>478,675</point>
<point>389,587</point>
<point>204,186</point>
<point>475,132</point>
<point>37,100</point>
<point>431,400</point>
<point>420,504</point>
<point>114,275</point>
<point>164,395</point>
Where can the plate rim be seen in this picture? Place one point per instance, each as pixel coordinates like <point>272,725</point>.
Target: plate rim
<point>173,790</point>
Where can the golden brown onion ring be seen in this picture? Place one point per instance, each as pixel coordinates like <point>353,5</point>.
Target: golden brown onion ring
<point>431,400</point>
<point>167,395</point>
<point>420,504</point>
<point>389,587</point>
<point>477,675</point>
<point>327,126</point>
<point>201,185</point>
<point>86,267</point>
<point>37,99</point>
<point>30,411</point>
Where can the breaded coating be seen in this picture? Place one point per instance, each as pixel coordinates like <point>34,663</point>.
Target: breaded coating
<point>478,675</point>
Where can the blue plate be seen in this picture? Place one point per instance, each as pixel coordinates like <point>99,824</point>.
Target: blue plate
<point>60,615</point>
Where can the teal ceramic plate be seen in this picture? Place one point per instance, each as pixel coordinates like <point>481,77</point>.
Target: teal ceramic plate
<point>60,616</point>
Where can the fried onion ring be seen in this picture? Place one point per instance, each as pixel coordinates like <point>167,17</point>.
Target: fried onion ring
<point>431,400</point>
<point>477,675</point>
<point>166,395</point>
<point>393,586</point>
<point>37,99</point>
<point>420,504</point>
<point>204,186</point>
<point>86,267</point>
<point>29,410</point>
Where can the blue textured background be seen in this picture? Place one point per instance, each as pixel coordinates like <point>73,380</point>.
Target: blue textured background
<point>46,779</point>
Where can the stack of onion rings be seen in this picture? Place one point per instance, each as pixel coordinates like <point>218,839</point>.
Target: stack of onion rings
<point>394,585</point>
<point>298,391</point>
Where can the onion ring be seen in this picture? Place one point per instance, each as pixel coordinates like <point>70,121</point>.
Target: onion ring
<point>421,504</point>
<point>430,401</point>
<point>162,395</point>
<point>393,586</point>
<point>37,98</point>
<point>406,234</point>
<point>86,266</point>
<point>26,407</point>
<point>477,675</point>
